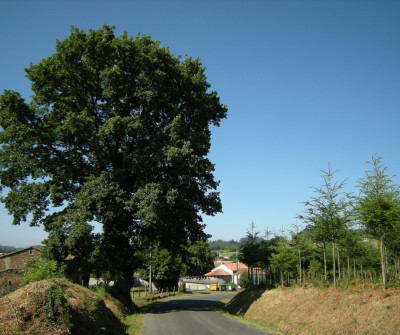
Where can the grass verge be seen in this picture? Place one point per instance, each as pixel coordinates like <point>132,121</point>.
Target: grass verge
<point>353,310</point>
<point>220,307</point>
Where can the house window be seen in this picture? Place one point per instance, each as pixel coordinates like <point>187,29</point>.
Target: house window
<point>30,252</point>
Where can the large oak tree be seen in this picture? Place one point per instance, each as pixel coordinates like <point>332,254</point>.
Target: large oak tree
<point>117,132</point>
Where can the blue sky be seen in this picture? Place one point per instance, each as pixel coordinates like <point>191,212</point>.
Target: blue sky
<point>306,83</point>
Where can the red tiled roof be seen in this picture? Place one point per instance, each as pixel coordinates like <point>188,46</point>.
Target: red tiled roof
<point>234,266</point>
<point>218,273</point>
<point>241,270</point>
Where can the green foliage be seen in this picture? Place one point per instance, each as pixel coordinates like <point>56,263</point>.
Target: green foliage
<point>231,245</point>
<point>244,280</point>
<point>284,257</point>
<point>378,208</point>
<point>166,267</point>
<point>378,205</point>
<point>39,268</point>
<point>182,288</point>
<point>54,305</point>
<point>199,259</point>
<point>118,133</point>
<point>255,251</point>
<point>328,212</point>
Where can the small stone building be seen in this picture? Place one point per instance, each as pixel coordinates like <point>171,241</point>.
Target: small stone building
<point>11,265</point>
<point>17,259</point>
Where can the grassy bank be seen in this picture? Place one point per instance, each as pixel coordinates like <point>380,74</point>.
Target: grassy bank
<point>58,306</point>
<point>354,310</point>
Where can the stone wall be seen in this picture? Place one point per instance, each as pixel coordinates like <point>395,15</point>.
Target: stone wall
<point>17,259</point>
<point>10,280</point>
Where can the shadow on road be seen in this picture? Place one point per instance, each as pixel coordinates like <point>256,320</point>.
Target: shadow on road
<point>180,305</point>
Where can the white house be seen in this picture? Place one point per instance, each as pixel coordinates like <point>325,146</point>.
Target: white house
<point>230,272</point>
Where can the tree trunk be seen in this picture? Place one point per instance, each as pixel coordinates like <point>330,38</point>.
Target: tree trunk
<point>383,263</point>
<point>122,290</point>
<point>150,276</point>
<point>301,279</point>
<point>348,267</point>
<point>325,261</point>
<point>334,264</point>
<point>398,269</point>
<point>338,260</point>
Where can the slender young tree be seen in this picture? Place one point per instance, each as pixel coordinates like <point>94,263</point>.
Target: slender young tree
<point>300,243</point>
<point>284,258</point>
<point>378,207</point>
<point>328,213</point>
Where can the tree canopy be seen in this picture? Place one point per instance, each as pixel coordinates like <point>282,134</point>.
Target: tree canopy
<point>117,132</point>
<point>378,209</point>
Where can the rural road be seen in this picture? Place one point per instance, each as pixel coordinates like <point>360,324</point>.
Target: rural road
<point>193,316</point>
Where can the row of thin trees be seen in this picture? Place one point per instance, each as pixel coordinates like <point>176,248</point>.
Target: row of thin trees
<point>346,237</point>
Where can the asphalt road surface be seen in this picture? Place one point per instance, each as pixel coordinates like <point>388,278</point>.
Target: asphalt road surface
<point>193,316</point>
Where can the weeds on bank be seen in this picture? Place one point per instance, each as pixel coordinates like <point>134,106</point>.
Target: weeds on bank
<point>54,305</point>
<point>220,307</point>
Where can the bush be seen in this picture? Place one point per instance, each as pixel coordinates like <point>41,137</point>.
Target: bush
<point>54,305</point>
<point>38,268</point>
<point>182,288</point>
<point>244,280</point>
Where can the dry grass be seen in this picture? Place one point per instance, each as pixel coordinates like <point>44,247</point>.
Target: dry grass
<point>311,311</point>
<point>89,315</point>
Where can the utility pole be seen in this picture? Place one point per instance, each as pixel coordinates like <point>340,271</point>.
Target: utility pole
<point>237,266</point>
<point>150,279</point>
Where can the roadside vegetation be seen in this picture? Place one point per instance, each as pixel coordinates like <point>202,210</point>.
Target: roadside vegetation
<point>358,309</point>
<point>338,273</point>
<point>345,239</point>
<point>58,306</point>
<point>118,132</point>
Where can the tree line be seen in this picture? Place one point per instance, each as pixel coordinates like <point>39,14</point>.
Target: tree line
<point>346,237</point>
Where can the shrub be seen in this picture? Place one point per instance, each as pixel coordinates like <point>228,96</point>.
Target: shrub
<point>182,288</point>
<point>244,280</point>
<point>53,305</point>
<point>38,268</point>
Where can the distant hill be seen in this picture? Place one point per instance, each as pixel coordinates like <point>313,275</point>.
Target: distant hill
<point>6,249</point>
<point>231,245</point>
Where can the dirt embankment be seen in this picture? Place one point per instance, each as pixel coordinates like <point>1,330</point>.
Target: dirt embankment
<point>312,311</point>
<point>56,307</point>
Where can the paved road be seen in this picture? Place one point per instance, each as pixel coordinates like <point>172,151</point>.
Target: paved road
<point>193,316</point>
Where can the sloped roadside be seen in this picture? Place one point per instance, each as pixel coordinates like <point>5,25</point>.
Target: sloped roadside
<point>56,307</point>
<point>312,311</point>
